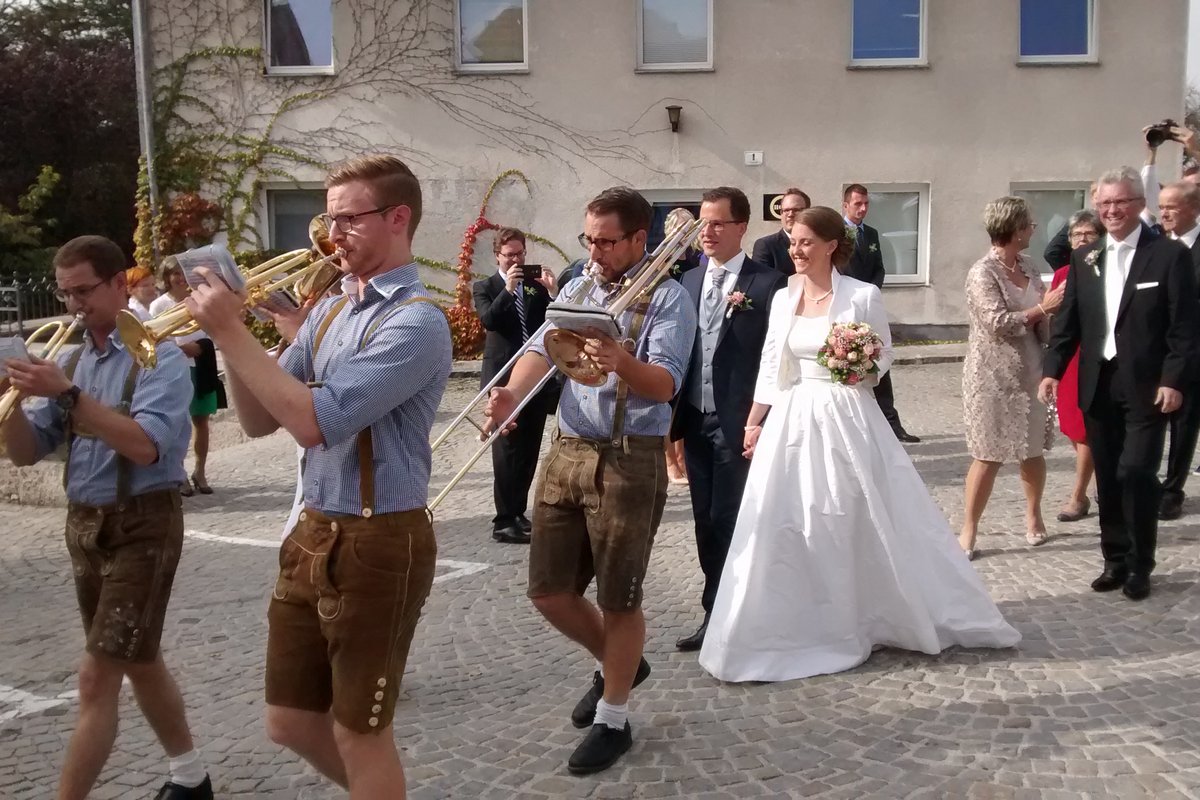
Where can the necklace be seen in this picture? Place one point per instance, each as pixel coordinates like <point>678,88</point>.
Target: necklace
<point>812,299</point>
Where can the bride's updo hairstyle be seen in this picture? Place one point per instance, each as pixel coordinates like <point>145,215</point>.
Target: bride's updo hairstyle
<point>829,226</point>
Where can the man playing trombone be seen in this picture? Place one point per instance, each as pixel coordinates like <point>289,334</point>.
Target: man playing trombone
<point>601,492</point>
<point>358,389</point>
<point>126,432</point>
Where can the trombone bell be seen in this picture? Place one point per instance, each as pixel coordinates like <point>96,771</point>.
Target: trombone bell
<point>565,349</point>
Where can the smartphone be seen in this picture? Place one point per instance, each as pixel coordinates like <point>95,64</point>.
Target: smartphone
<point>531,272</point>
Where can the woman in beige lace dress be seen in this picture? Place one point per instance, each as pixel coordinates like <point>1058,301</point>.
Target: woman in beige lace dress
<point>1009,310</point>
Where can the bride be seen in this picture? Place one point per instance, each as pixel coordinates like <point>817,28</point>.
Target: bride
<point>838,548</point>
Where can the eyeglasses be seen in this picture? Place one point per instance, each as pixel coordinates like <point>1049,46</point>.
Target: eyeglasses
<point>791,212</point>
<point>718,225</point>
<point>1120,202</point>
<point>603,245</point>
<point>1075,236</point>
<point>518,254</point>
<point>80,294</point>
<point>345,222</point>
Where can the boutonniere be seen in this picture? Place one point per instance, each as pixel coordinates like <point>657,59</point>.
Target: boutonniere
<point>736,301</point>
<point>531,291</point>
<point>1092,260</point>
<point>874,248</point>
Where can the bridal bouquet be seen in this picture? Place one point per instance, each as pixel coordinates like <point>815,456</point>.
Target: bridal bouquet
<point>850,352</point>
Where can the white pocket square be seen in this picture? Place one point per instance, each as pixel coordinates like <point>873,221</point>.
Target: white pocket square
<point>1149,285</point>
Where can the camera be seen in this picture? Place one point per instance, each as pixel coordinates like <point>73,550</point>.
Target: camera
<point>1157,134</point>
<point>531,271</point>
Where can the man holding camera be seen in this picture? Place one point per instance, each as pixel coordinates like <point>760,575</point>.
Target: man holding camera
<point>512,305</point>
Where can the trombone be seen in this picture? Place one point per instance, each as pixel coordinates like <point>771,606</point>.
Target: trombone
<point>565,348</point>
<point>59,332</point>
<point>310,271</point>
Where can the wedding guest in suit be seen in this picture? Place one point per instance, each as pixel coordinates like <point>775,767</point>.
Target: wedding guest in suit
<point>732,296</point>
<point>1130,307</point>
<point>1009,310</point>
<point>511,308</point>
<point>866,265</point>
<point>772,250</point>
<point>1084,229</point>
<point>1179,207</point>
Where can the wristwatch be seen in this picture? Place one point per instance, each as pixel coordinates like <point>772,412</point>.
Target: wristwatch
<point>67,400</point>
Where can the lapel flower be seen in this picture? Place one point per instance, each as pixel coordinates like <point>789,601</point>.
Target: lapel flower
<point>874,248</point>
<point>531,291</point>
<point>1092,259</point>
<point>736,301</point>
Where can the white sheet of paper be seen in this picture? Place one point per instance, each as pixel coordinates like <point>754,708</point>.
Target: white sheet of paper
<point>11,347</point>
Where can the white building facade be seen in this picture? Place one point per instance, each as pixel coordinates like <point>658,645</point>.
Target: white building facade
<point>938,106</point>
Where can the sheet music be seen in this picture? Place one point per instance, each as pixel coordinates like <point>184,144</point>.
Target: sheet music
<point>11,347</point>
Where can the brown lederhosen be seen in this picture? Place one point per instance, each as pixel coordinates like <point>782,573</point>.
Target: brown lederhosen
<point>123,556</point>
<point>597,509</point>
<point>347,600</point>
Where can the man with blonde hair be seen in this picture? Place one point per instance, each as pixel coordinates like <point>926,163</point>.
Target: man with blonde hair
<point>1130,308</point>
<point>358,389</point>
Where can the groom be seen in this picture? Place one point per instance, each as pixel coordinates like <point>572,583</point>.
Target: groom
<point>732,295</point>
<point>1130,307</point>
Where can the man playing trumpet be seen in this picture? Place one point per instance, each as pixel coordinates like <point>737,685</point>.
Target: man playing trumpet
<point>126,432</point>
<point>358,389</point>
<point>604,483</point>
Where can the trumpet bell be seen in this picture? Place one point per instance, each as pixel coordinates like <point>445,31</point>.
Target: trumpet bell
<point>565,349</point>
<point>137,339</point>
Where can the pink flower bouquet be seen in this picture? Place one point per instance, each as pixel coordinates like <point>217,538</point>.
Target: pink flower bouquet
<point>851,352</point>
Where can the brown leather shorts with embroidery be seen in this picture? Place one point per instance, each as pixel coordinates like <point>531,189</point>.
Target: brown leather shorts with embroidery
<point>124,560</point>
<point>596,512</point>
<point>343,613</point>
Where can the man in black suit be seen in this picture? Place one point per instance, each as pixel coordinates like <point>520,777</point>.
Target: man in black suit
<point>1179,210</point>
<point>733,295</point>
<point>772,250</point>
<point>511,309</point>
<point>866,264</point>
<point>1130,307</point>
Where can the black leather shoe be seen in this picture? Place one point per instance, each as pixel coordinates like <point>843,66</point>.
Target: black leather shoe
<point>1137,586</point>
<point>173,791</point>
<point>524,522</point>
<point>600,749</point>
<point>905,436</point>
<point>1171,506</point>
<point>689,643</point>
<point>585,710</point>
<point>510,534</point>
<point>1112,578</point>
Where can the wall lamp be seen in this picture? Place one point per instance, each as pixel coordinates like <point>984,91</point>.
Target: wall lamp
<point>673,116</point>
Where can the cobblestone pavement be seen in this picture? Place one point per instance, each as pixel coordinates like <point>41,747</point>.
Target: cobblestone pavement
<point>1100,699</point>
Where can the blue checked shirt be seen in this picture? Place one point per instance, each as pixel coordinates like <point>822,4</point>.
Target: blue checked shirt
<point>160,406</point>
<point>665,341</point>
<point>392,382</point>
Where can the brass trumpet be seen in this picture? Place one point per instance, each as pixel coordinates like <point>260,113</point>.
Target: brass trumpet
<point>306,270</point>
<point>59,332</point>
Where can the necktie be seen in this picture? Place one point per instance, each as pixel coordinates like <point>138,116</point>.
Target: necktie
<point>860,241</point>
<point>712,298</point>
<point>519,299</point>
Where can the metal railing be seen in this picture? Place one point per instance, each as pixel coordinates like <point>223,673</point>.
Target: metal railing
<point>23,300</point>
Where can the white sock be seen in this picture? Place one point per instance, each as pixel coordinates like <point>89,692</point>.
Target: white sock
<point>600,668</point>
<point>187,771</point>
<point>610,715</point>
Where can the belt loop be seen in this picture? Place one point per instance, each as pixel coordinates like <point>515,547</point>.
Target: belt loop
<point>625,443</point>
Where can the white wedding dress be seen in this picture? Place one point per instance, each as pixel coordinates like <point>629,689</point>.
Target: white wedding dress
<point>838,547</point>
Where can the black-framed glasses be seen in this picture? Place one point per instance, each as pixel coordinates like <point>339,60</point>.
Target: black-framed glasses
<point>345,222</point>
<point>587,242</point>
<point>787,212</point>
<point>80,294</point>
<point>718,225</point>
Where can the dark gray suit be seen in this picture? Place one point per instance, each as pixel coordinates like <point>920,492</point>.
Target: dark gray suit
<point>1185,423</point>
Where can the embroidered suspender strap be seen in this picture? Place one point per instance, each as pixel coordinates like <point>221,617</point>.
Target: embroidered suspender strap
<point>69,369</point>
<point>635,330</point>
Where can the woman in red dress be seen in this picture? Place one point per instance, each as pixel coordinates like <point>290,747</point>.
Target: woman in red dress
<point>1084,228</point>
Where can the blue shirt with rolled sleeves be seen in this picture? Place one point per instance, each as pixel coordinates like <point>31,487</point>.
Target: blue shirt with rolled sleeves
<point>161,397</point>
<point>665,341</point>
<point>380,366</point>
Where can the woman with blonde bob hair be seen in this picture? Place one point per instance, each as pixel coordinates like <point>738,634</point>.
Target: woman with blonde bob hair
<point>838,546</point>
<point>1009,310</point>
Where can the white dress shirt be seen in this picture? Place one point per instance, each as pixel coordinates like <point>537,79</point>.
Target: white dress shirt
<point>1117,259</point>
<point>1188,239</point>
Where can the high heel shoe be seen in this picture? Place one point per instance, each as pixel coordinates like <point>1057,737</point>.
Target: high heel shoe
<point>201,485</point>
<point>1074,513</point>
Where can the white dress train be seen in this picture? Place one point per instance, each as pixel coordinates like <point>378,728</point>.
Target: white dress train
<point>838,546</point>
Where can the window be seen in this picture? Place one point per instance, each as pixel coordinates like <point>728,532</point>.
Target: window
<point>1057,31</point>
<point>900,212</point>
<point>1053,205</point>
<point>491,35</point>
<point>299,37</point>
<point>888,33</point>
<point>675,34</point>
<point>289,211</point>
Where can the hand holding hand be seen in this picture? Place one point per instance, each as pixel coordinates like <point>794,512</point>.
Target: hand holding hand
<point>750,440</point>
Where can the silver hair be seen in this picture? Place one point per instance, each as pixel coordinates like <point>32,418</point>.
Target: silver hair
<point>1085,217</point>
<point>1127,175</point>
